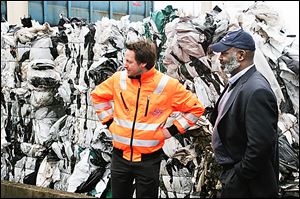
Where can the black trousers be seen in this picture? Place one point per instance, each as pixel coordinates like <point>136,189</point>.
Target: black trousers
<point>145,174</point>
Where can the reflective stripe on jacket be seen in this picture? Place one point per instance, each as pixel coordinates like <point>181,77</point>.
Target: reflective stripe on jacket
<point>140,107</point>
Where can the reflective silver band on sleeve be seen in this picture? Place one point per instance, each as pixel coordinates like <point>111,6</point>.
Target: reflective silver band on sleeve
<point>182,121</point>
<point>103,105</point>
<point>105,114</point>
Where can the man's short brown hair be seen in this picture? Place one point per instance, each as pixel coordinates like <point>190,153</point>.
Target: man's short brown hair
<point>145,52</point>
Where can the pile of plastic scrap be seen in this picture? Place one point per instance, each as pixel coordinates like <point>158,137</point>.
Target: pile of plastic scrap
<point>51,136</point>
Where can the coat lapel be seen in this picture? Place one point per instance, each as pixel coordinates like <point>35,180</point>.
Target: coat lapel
<point>215,113</point>
<point>237,87</point>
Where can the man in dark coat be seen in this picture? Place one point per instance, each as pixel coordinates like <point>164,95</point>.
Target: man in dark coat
<point>245,137</point>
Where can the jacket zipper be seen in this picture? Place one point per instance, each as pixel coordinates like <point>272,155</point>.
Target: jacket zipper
<point>148,100</point>
<point>135,115</point>
<point>124,101</point>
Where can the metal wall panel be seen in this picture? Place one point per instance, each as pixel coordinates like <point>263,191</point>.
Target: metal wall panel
<point>3,11</point>
<point>91,11</point>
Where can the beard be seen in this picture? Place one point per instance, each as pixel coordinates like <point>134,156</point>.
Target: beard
<point>136,75</point>
<point>232,65</point>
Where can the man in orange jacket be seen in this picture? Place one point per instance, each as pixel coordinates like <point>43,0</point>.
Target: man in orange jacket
<point>135,105</point>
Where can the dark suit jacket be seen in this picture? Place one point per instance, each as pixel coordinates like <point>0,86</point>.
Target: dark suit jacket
<point>248,130</point>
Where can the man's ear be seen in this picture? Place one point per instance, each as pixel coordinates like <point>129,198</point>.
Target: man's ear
<point>143,65</point>
<point>241,55</point>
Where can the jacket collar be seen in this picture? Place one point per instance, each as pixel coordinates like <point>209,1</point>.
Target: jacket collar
<point>148,75</point>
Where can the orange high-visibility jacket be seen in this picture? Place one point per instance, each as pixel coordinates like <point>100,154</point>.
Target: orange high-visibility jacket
<point>140,107</point>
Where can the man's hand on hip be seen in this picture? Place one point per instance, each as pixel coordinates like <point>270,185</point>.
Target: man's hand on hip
<point>166,133</point>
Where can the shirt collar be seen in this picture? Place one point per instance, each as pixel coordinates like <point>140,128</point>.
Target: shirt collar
<point>234,78</point>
